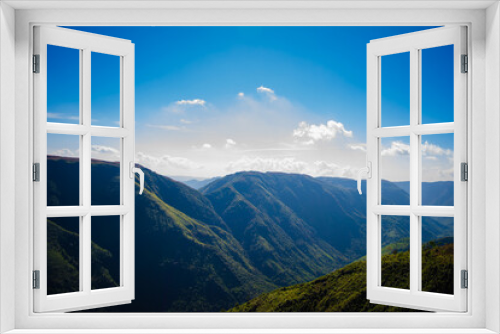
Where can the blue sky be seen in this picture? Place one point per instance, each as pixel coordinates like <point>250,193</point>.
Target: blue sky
<point>215,100</point>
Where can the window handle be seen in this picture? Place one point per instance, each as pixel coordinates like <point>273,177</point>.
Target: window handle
<point>133,171</point>
<point>368,171</point>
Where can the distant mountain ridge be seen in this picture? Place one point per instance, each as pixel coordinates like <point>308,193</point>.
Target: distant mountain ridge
<point>433,193</point>
<point>238,237</point>
<point>198,184</point>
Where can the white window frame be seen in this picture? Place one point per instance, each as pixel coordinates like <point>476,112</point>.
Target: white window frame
<point>85,43</point>
<point>414,43</point>
<point>483,101</point>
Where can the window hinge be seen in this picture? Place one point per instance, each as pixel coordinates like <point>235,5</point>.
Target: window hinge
<point>464,170</point>
<point>36,279</point>
<point>465,279</point>
<point>465,64</point>
<point>36,63</point>
<point>36,172</point>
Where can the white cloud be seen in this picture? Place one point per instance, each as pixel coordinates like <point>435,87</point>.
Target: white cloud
<point>435,173</point>
<point>206,146</point>
<point>435,150</point>
<point>102,152</point>
<point>185,121</point>
<point>263,89</point>
<point>397,148</point>
<point>105,149</point>
<point>358,147</point>
<point>428,150</point>
<point>65,152</point>
<point>182,106</point>
<point>166,163</point>
<point>230,143</point>
<point>268,91</point>
<point>241,94</point>
<point>446,174</point>
<point>325,132</point>
<point>62,116</point>
<point>323,168</point>
<point>289,165</point>
<point>198,102</point>
<point>167,127</point>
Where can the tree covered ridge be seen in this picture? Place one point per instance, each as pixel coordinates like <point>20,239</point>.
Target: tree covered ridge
<point>237,238</point>
<point>344,290</point>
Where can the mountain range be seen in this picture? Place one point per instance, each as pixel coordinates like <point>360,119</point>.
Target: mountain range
<point>196,183</point>
<point>232,240</point>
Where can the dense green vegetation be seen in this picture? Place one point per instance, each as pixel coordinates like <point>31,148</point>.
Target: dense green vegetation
<point>238,237</point>
<point>63,262</point>
<point>344,290</point>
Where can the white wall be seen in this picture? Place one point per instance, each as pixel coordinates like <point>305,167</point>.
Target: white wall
<point>488,282</point>
<point>7,160</point>
<point>492,166</point>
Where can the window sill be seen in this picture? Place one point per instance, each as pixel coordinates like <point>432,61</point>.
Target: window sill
<point>251,331</point>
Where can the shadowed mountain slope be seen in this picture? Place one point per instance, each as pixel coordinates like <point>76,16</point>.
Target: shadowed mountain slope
<point>182,264</point>
<point>240,236</point>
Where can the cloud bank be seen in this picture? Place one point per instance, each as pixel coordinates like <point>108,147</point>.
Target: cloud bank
<point>312,133</point>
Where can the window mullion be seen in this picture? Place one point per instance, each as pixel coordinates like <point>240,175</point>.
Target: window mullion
<point>86,170</point>
<point>414,172</point>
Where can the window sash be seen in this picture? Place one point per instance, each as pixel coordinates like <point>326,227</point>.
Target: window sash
<point>413,43</point>
<point>87,43</point>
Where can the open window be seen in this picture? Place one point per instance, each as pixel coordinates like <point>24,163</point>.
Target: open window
<point>420,60</point>
<point>82,126</point>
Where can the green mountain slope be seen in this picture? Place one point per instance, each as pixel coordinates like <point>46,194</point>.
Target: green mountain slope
<point>244,235</point>
<point>293,224</point>
<point>344,290</point>
<point>433,193</point>
<point>183,264</point>
<point>62,262</point>
<point>279,240</point>
<point>188,266</point>
<point>183,198</point>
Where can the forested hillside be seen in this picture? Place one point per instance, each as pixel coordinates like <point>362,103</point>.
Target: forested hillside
<point>344,290</point>
<point>240,236</point>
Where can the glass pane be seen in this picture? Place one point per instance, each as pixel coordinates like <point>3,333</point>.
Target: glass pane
<point>63,255</point>
<point>395,170</point>
<point>437,169</point>
<point>105,252</point>
<point>437,85</point>
<point>437,254</point>
<point>63,170</point>
<point>105,89</point>
<point>63,85</point>
<point>105,184</point>
<point>395,89</point>
<point>396,252</point>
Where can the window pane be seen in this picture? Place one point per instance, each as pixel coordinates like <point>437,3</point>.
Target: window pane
<point>395,89</point>
<point>105,252</point>
<point>63,85</point>
<point>437,254</point>
<point>437,169</point>
<point>106,156</point>
<point>63,255</point>
<point>395,170</point>
<point>395,252</point>
<point>437,85</point>
<point>105,90</point>
<point>63,170</point>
